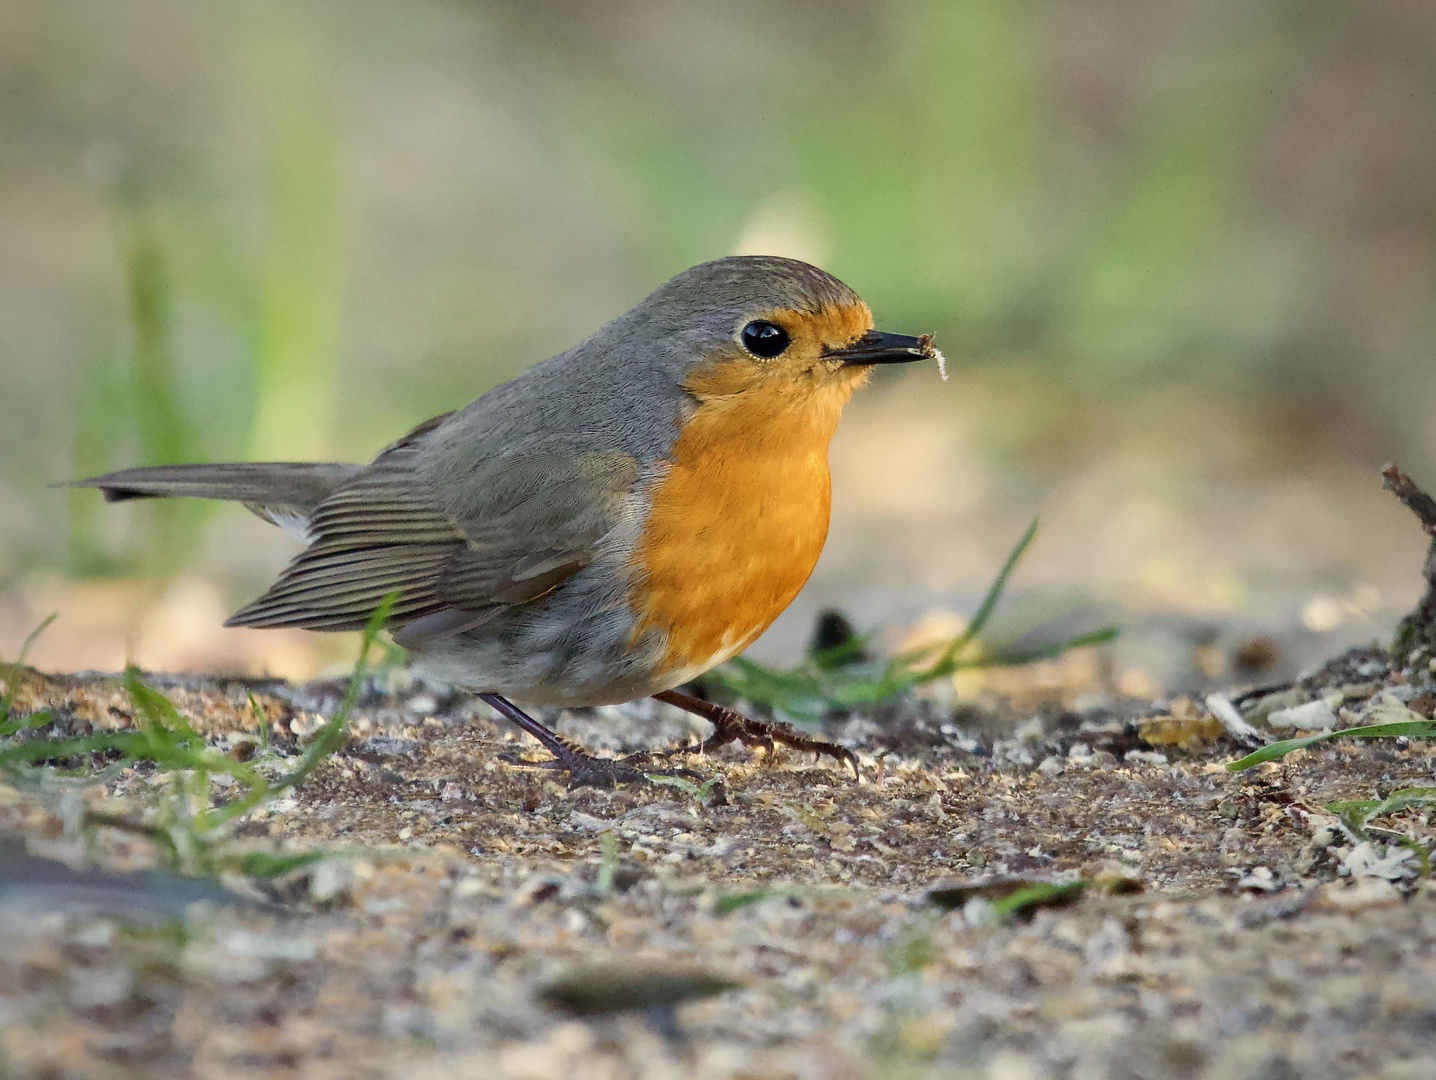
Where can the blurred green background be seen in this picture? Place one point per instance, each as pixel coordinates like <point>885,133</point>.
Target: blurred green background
<point>1182,258</point>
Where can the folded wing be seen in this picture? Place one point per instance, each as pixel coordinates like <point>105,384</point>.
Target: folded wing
<point>457,548</point>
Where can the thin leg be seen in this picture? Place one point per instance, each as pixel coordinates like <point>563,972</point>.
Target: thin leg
<point>582,768</point>
<point>729,725</point>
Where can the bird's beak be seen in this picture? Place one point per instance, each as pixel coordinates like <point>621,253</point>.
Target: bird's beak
<point>879,348</point>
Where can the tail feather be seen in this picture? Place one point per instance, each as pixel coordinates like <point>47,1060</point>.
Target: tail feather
<point>298,485</point>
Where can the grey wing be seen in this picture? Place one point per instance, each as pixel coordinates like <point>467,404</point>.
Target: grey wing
<point>519,528</point>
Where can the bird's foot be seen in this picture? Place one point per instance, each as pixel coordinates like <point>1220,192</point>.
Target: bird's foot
<point>729,725</point>
<point>583,768</point>
<point>587,770</point>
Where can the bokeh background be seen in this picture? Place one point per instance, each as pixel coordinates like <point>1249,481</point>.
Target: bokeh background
<point>1181,257</point>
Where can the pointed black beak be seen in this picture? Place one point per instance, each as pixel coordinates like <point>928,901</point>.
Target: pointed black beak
<point>879,348</point>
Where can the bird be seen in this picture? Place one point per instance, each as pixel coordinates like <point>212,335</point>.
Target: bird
<point>606,526</point>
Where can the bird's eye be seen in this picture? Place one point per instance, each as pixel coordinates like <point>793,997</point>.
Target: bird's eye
<point>764,339</point>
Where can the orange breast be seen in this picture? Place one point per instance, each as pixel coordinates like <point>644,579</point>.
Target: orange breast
<point>739,519</point>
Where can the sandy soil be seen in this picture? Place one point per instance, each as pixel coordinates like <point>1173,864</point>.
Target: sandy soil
<point>476,908</point>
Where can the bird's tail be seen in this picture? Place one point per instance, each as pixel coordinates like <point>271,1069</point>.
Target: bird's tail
<point>284,492</point>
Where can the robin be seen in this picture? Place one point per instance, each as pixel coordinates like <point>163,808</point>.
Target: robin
<point>610,524</point>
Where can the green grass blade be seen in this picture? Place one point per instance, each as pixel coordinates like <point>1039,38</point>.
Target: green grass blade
<point>171,739</point>
<point>688,787</point>
<point>260,719</point>
<point>12,679</point>
<point>833,680</point>
<point>1364,810</point>
<point>726,905</point>
<point>130,745</point>
<point>259,864</point>
<point>1016,659</point>
<point>172,743</point>
<point>302,289</point>
<point>1412,729</point>
<point>184,818</point>
<point>1406,799</point>
<point>1361,808</point>
<point>332,733</point>
<point>165,434</point>
<point>1423,854</point>
<point>1038,894</point>
<point>842,654</point>
<point>994,593</point>
<point>17,724</point>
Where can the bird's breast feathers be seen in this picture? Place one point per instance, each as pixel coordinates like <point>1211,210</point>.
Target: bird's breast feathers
<point>737,520</point>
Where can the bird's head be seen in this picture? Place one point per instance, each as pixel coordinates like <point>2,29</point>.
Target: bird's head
<point>757,326</point>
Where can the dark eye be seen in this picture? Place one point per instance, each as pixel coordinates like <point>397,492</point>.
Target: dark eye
<point>764,339</point>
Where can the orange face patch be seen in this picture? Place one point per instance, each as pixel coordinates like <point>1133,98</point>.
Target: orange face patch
<point>800,367</point>
<point>829,327</point>
<point>738,520</point>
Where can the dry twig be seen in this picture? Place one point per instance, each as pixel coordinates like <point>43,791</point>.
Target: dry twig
<point>1418,629</point>
<point>1395,480</point>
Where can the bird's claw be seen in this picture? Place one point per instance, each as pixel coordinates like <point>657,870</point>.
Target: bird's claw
<point>587,770</point>
<point>729,725</point>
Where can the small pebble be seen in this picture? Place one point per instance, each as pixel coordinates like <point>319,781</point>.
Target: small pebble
<point>620,985</point>
<point>97,988</point>
<point>1313,716</point>
<point>1146,757</point>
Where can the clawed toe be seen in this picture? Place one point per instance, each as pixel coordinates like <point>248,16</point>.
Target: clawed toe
<point>729,725</point>
<point>587,770</point>
<point>582,768</point>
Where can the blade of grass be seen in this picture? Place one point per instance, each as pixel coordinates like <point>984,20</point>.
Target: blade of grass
<point>12,679</point>
<point>259,864</point>
<point>164,432</point>
<point>1423,854</point>
<point>1038,894</point>
<point>824,683</point>
<point>302,291</point>
<point>17,724</point>
<point>1358,814</point>
<point>726,905</point>
<point>131,746</point>
<point>173,743</point>
<point>262,720</point>
<point>985,609</point>
<point>1051,652</point>
<point>1360,807</point>
<point>696,792</point>
<point>184,820</point>
<point>1407,799</point>
<point>1413,729</point>
<point>995,590</point>
<point>332,733</point>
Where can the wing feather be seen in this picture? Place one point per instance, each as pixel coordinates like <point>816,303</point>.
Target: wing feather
<point>520,527</point>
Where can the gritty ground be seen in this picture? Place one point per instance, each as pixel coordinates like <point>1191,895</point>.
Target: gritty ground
<point>783,923</point>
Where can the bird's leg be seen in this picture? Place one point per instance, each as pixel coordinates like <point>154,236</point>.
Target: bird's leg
<point>729,725</point>
<point>582,768</point>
